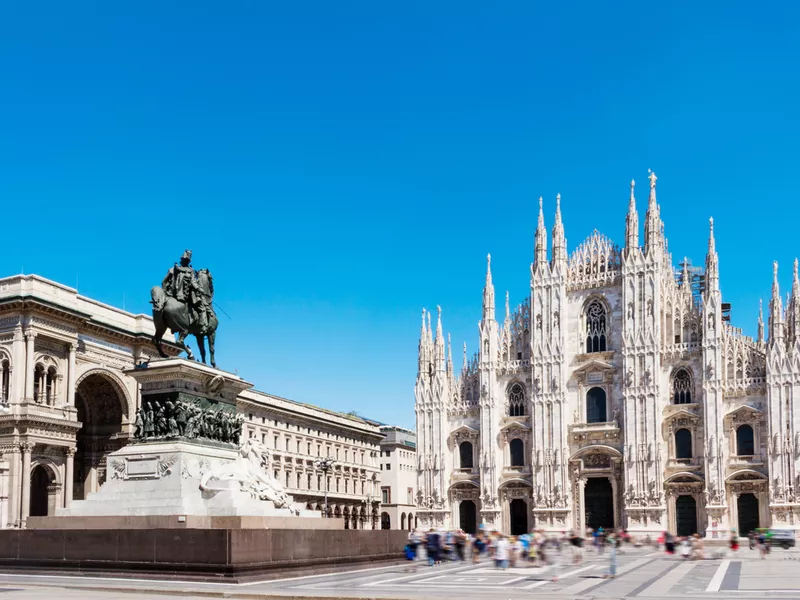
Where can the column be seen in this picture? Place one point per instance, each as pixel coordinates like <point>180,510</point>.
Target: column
<point>615,500</point>
<point>27,448</point>
<point>68,476</point>
<point>17,366</point>
<point>672,516</point>
<point>29,365</point>
<point>72,376</point>
<point>14,490</point>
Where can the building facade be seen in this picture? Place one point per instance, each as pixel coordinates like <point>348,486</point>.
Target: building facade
<point>66,403</point>
<point>617,394</point>
<point>398,480</point>
<point>299,435</point>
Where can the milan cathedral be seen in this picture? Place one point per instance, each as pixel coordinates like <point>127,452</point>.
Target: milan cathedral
<point>617,395</point>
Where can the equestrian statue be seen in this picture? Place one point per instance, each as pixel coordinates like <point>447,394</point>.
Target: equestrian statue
<point>182,304</point>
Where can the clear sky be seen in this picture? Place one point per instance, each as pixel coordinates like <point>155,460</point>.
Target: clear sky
<point>340,165</point>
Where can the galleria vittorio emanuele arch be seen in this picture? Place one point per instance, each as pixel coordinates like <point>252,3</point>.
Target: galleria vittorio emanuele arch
<point>618,394</point>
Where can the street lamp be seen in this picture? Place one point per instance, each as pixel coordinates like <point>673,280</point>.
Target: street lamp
<point>326,466</point>
<point>368,517</point>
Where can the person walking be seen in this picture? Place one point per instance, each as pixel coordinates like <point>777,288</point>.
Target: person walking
<point>685,548</point>
<point>478,544</point>
<point>734,544</point>
<point>697,547</point>
<point>433,545</point>
<point>669,542</point>
<point>502,551</point>
<point>614,542</point>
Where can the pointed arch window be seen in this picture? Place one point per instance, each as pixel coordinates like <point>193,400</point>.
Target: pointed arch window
<point>595,327</point>
<point>682,387</point>
<point>516,401</point>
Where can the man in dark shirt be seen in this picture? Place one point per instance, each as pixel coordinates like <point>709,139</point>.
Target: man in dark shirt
<point>434,545</point>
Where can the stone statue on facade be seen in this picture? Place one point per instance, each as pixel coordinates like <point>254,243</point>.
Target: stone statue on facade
<point>183,304</point>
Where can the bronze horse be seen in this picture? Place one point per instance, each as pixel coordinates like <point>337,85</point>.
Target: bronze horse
<point>170,313</point>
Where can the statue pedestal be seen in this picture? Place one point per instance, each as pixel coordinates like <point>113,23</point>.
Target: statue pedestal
<point>160,479</point>
<point>187,462</point>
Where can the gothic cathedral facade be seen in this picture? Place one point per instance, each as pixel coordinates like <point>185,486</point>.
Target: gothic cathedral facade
<point>617,395</point>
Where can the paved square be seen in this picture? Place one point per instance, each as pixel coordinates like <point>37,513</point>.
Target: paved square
<point>641,573</point>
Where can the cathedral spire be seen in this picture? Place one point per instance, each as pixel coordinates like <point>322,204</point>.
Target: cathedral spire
<point>760,321</point>
<point>508,309</point>
<point>632,222</point>
<point>775,309</point>
<point>654,228</point>
<point>449,356</point>
<point>712,261</point>
<point>686,277</point>
<point>424,353</point>
<point>430,331</point>
<point>438,344</point>
<point>559,241</point>
<point>488,292</point>
<point>540,245</point>
<point>793,318</point>
<point>464,368</point>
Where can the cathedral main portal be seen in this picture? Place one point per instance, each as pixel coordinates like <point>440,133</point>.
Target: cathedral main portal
<point>598,497</point>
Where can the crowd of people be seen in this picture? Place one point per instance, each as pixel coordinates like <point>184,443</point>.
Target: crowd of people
<point>539,548</point>
<point>534,549</point>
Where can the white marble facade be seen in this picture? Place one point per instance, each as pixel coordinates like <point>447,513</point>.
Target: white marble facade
<point>66,404</point>
<point>616,394</point>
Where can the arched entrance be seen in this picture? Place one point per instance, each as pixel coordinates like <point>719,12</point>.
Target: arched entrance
<point>101,409</point>
<point>40,493</point>
<point>747,505</point>
<point>598,497</point>
<point>468,516</point>
<point>386,522</point>
<point>685,515</point>
<point>518,513</point>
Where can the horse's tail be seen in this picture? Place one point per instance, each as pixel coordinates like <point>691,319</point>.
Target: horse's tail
<point>158,298</point>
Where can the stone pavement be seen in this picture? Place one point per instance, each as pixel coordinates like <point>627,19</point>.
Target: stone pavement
<point>642,573</point>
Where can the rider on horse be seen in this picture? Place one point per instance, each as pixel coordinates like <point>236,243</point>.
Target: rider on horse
<point>181,283</point>
<point>183,305</point>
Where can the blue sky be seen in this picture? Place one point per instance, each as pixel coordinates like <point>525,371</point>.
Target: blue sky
<point>338,166</point>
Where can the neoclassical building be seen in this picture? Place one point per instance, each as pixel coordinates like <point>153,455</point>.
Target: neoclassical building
<point>618,394</point>
<point>66,403</point>
<point>398,479</point>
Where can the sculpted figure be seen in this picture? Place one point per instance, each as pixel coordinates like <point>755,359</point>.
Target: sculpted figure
<point>183,304</point>
<point>250,470</point>
<point>181,417</point>
<point>172,424</point>
<point>149,421</point>
<point>160,419</point>
<point>139,424</point>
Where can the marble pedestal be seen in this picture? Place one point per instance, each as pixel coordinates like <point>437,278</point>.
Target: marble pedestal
<point>164,479</point>
<point>160,474</point>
